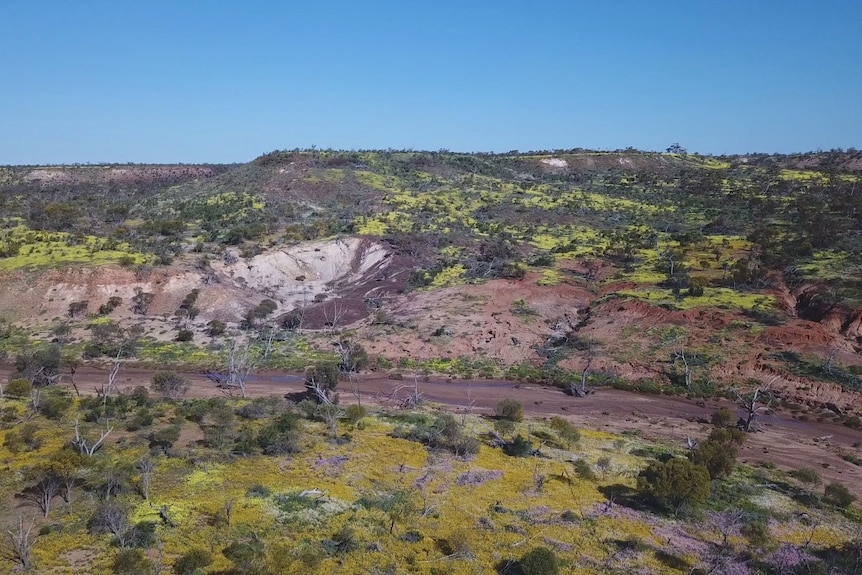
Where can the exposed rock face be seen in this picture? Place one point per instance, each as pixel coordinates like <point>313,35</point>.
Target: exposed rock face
<point>295,276</point>
<point>834,318</point>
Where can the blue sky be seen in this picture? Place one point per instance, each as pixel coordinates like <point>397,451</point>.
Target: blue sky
<point>224,81</point>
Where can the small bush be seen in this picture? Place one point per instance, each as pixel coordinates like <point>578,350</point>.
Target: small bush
<point>354,413</point>
<point>518,447</point>
<point>165,438</point>
<point>140,395</point>
<point>540,561</point>
<point>758,534</point>
<point>723,418</point>
<point>584,471</point>
<point>838,495</point>
<point>216,328</point>
<point>261,491</point>
<point>504,426</point>
<point>510,409</point>
<point>806,475</point>
<point>170,384</point>
<point>185,335</point>
<point>22,438</point>
<point>719,451</point>
<point>567,432</point>
<point>55,404</point>
<point>854,422</point>
<point>675,483</point>
<point>18,388</point>
<point>281,436</point>
<point>132,562</point>
<point>191,562</point>
<point>143,418</point>
<point>244,554</point>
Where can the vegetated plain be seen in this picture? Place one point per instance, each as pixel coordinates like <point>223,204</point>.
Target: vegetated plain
<point>678,274</point>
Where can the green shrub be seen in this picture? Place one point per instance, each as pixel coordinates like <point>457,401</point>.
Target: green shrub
<point>806,475</point>
<point>838,495</point>
<point>22,438</point>
<point>854,422</point>
<point>54,404</point>
<point>724,417</point>
<point>354,413</point>
<point>758,534</point>
<point>354,357</point>
<point>132,562</point>
<point>719,451</point>
<point>540,561</point>
<point>675,483</point>
<point>18,388</point>
<point>244,554</point>
<point>261,491</point>
<point>567,432</point>
<point>170,384</point>
<point>216,328</point>
<point>518,447</point>
<point>193,562</point>
<point>165,437</point>
<point>583,470</point>
<point>140,420</point>
<point>281,436</point>
<point>504,426</point>
<point>144,534</point>
<point>510,409</point>
<point>325,375</point>
<point>185,335</point>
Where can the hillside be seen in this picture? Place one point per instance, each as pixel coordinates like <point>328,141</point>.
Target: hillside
<point>573,281</point>
<point>535,265</point>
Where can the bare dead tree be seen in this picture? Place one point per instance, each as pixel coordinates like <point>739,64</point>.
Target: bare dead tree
<point>35,398</point>
<point>471,404</point>
<point>146,467</point>
<point>227,510</point>
<point>333,316</point>
<point>755,404</point>
<point>827,367</point>
<point>266,336</point>
<point>814,524</point>
<point>581,389</point>
<point>680,355</point>
<point>415,398</point>
<point>353,378</point>
<point>726,523</point>
<point>319,390</point>
<point>112,376</point>
<point>19,544</point>
<point>114,519</point>
<point>42,492</point>
<point>241,360</point>
<point>84,446</point>
<point>329,413</point>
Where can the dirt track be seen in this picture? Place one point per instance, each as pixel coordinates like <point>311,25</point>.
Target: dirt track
<point>783,441</point>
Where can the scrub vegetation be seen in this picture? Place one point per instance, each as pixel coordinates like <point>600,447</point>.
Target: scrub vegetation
<point>135,483</point>
<point>662,273</point>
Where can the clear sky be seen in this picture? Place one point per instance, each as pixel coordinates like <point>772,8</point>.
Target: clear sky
<point>224,81</point>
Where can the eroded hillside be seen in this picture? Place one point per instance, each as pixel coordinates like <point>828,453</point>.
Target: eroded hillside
<point>692,274</point>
